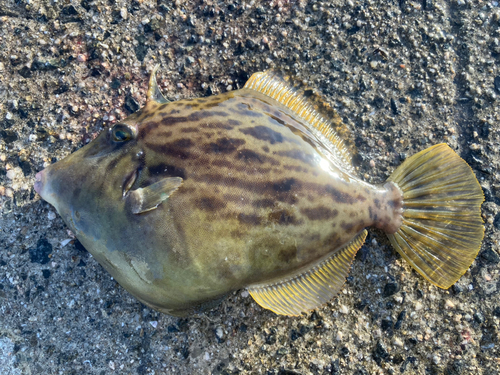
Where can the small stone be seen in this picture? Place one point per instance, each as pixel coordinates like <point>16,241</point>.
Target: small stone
<point>380,353</point>
<point>386,324</point>
<point>497,83</point>
<point>478,317</point>
<point>394,107</point>
<point>131,104</point>
<point>418,306</point>
<point>250,44</point>
<point>11,174</point>
<point>390,289</point>
<point>115,84</point>
<point>339,336</point>
<point>490,256</point>
<point>46,274</point>
<point>41,253</point>
<point>190,60</point>
<point>449,304</point>
<point>70,10</point>
<point>9,136</point>
<point>397,342</point>
<point>456,289</point>
<point>219,332</point>
<point>344,309</point>
<point>344,351</point>
<point>111,365</point>
<point>154,323</point>
<point>496,312</point>
<point>282,351</point>
<point>51,215</point>
<point>124,13</point>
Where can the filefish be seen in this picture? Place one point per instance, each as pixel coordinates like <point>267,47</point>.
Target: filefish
<point>184,202</point>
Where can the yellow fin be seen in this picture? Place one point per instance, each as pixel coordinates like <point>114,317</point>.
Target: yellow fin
<point>442,228</point>
<point>321,119</point>
<point>312,288</point>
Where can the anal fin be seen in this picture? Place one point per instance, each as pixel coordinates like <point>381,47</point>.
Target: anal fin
<point>312,288</point>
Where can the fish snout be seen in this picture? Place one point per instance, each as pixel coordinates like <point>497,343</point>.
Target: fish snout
<point>39,181</point>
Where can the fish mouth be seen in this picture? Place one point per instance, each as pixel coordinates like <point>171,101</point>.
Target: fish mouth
<point>39,181</point>
<point>129,182</point>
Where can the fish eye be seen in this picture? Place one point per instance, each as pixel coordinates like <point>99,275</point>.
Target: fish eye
<point>121,133</point>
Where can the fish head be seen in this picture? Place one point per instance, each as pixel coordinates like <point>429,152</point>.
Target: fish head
<point>88,187</point>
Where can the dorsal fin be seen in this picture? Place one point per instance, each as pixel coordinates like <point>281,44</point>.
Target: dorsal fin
<point>154,93</point>
<point>323,121</point>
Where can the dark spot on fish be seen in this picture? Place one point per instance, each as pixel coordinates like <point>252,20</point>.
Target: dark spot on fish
<point>361,198</point>
<point>162,106</point>
<point>295,168</point>
<point>236,233</point>
<point>224,145</point>
<point>353,214</point>
<point>346,226</point>
<point>264,133</point>
<point>298,155</point>
<point>377,203</point>
<point>283,217</point>
<point>145,116</point>
<point>176,149</point>
<point>313,237</point>
<point>234,122</point>
<point>285,185</point>
<point>263,203</point>
<point>217,125</point>
<point>249,219</point>
<point>265,149</point>
<point>319,213</point>
<point>249,156</point>
<point>370,212</point>
<point>339,196</point>
<point>245,109</point>
<point>189,130</point>
<point>76,192</point>
<point>200,100</point>
<point>167,171</point>
<point>263,188</point>
<point>210,204</point>
<point>287,254</point>
<point>163,134</point>
<point>112,164</point>
<point>395,203</point>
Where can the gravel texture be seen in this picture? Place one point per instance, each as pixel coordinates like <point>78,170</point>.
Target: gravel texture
<point>402,74</point>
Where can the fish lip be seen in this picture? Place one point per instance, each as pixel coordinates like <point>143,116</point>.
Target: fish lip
<point>129,182</point>
<point>38,185</point>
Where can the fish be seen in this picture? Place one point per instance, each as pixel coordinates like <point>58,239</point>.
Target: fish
<point>184,202</point>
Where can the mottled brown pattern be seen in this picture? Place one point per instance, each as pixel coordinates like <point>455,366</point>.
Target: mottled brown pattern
<point>264,133</point>
<point>254,190</point>
<point>319,213</point>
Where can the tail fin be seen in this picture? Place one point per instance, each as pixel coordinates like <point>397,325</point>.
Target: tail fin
<point>442,228</point>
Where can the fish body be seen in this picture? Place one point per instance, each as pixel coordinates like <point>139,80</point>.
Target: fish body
<point>183,202</point>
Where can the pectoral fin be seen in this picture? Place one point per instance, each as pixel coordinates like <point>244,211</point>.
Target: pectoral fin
<point>148,198</point>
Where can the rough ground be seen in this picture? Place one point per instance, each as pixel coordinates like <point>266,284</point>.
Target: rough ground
<point>402,74</point>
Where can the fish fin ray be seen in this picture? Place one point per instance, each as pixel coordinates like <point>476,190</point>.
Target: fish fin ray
<point>323,122</point>
<point>154,93</point>
<point>442,229</point>
<point>312,288</point>
<point>148,198</point>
